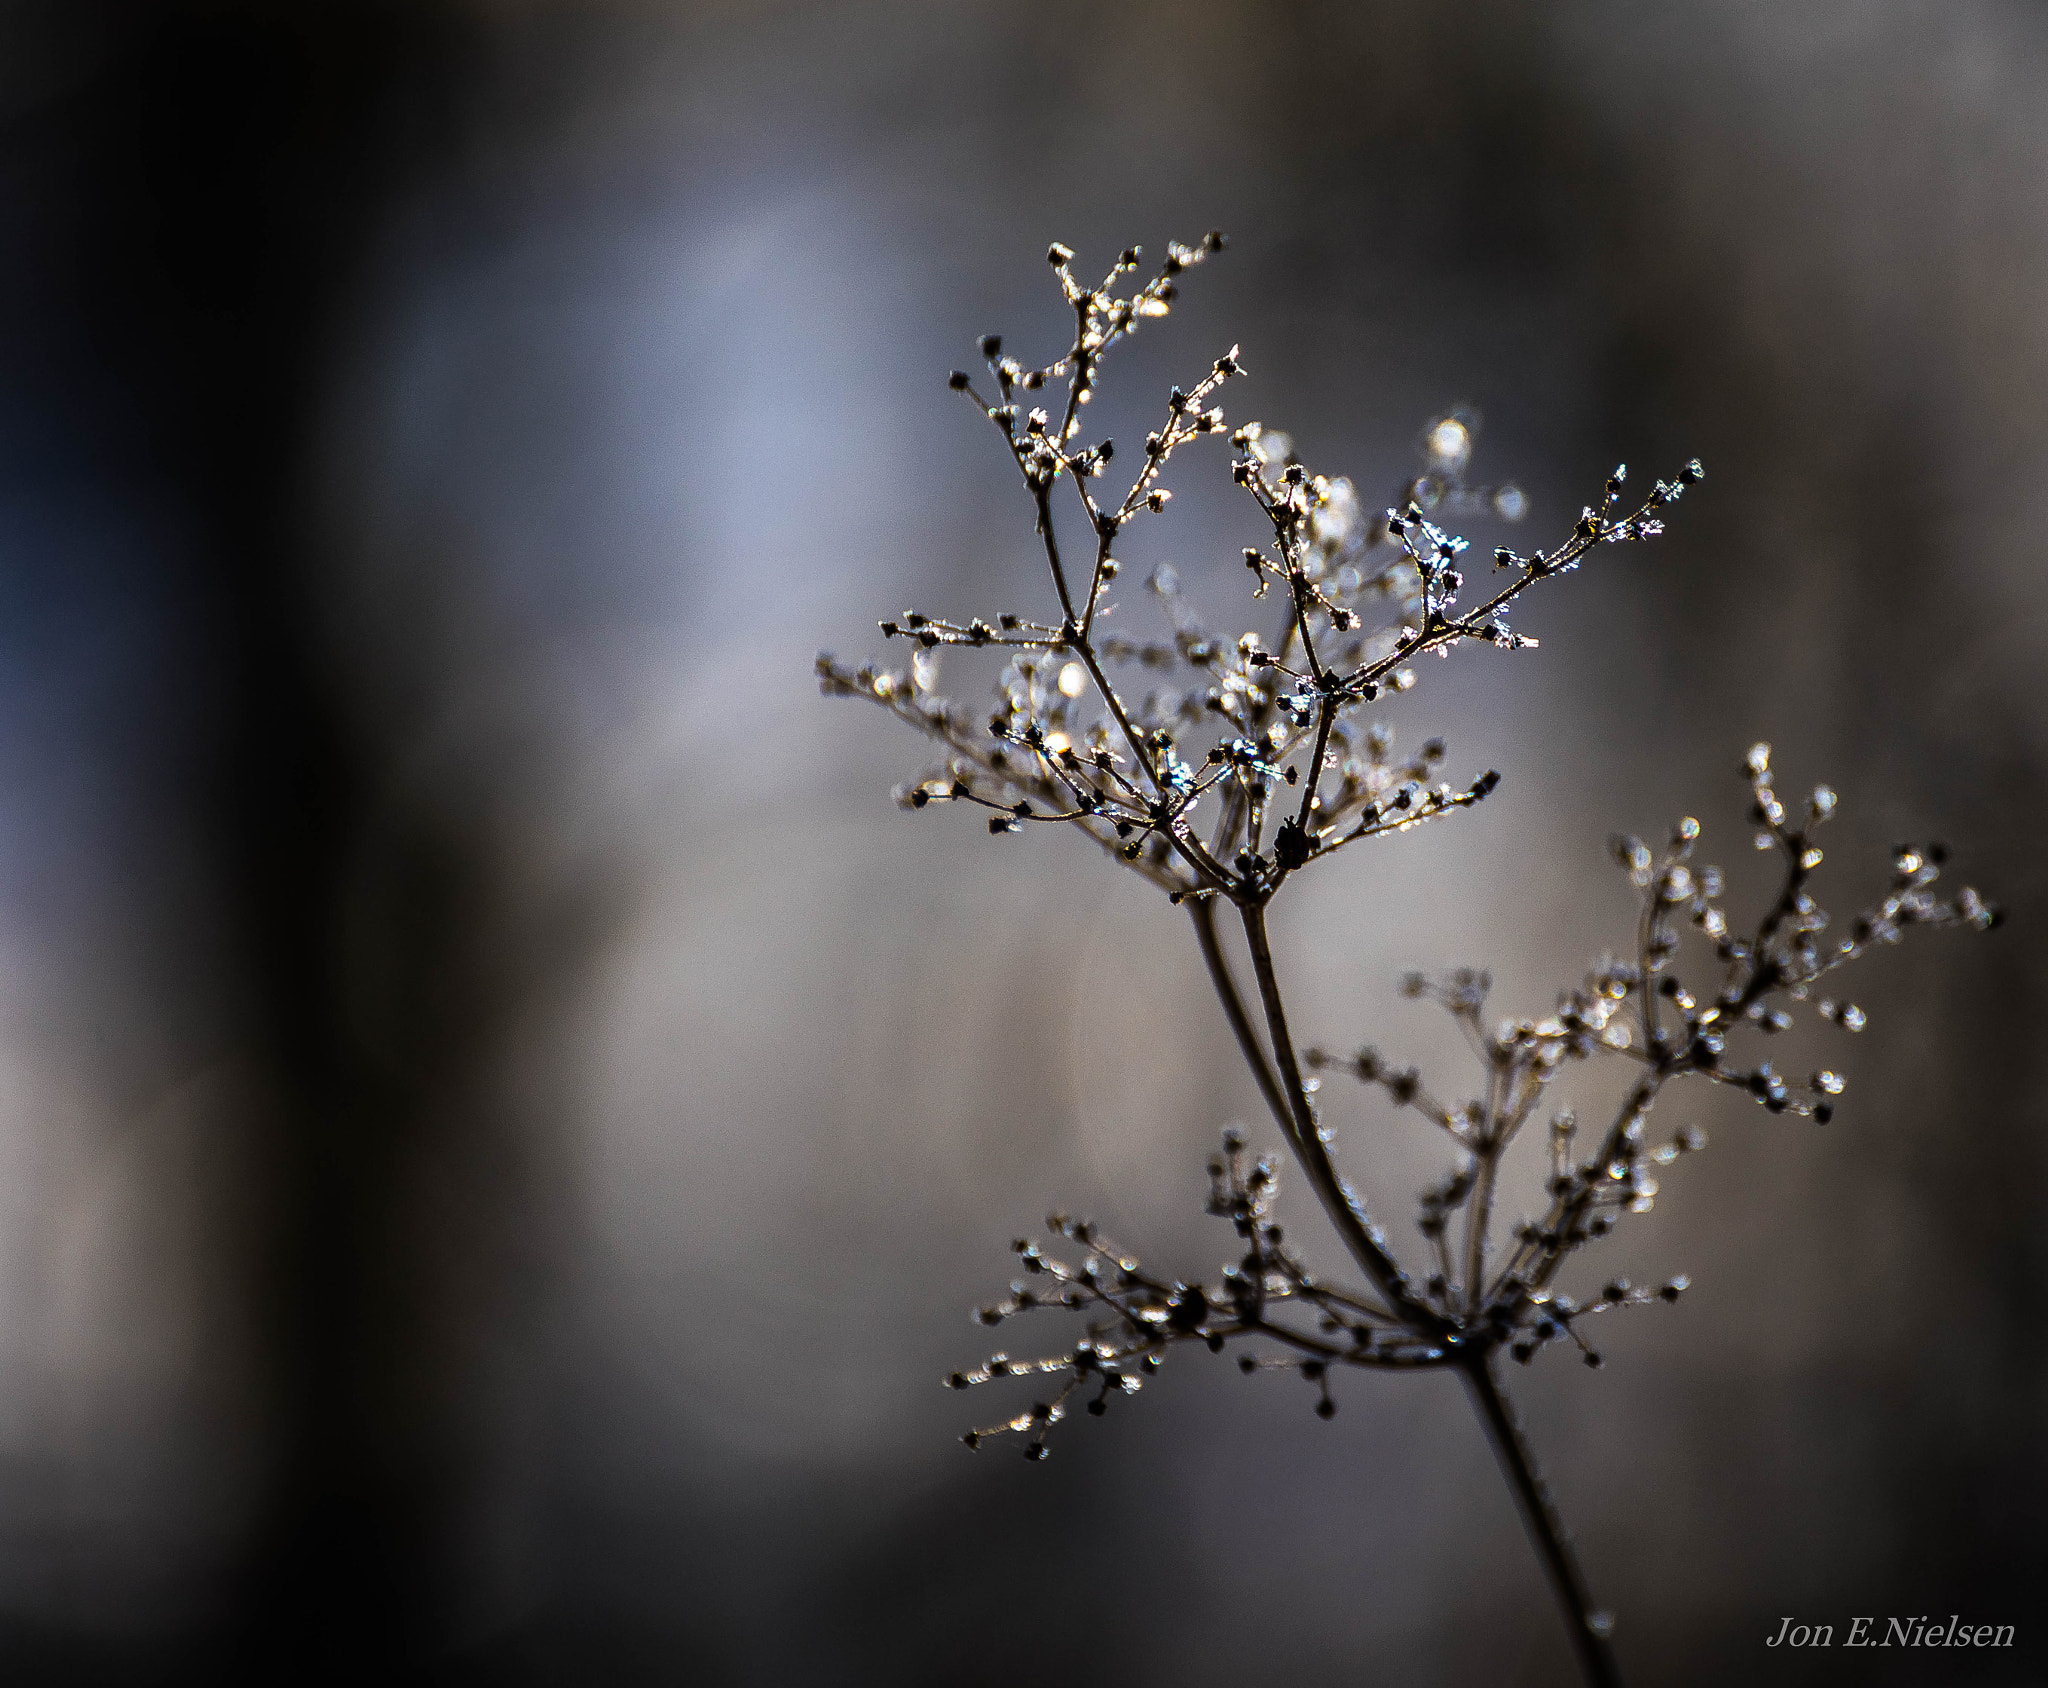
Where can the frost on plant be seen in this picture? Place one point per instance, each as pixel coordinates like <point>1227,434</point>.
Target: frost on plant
<point>1292,769</point>
<point>1218,768</point>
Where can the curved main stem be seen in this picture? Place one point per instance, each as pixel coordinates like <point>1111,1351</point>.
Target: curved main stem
<point>1280,1083</point>
<point>1589,1625</point>
<point>1203,909</point>
<point>1354,1224</point>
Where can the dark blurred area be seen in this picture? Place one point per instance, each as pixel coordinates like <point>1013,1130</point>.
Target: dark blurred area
<point>501,1119</point>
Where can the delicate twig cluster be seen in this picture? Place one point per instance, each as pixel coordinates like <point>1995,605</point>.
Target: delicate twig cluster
<point>1292,770</point>
<point>1637,1015</point>
<point>1134,1318</point>
<point>1235,763</point>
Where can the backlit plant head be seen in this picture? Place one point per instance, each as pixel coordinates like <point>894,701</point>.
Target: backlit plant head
<point>1219,767</point>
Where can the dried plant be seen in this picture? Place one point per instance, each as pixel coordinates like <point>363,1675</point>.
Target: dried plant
<point>1290,770</point>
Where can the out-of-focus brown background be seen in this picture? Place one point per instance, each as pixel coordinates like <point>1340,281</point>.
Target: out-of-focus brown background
<point>500,1118</point>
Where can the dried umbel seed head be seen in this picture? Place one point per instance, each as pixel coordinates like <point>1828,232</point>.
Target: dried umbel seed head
<point>1218,766</point>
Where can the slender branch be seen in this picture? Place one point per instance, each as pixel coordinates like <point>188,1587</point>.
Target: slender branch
<point>1648,933</point>
<point>1203,911</point>
<point>1479,1220</point>
<point>1347,1213</point>
<point>1315,766</point>
<point>1083,371</point>
<point>1589,1626</point>
<point>1041,495</point>
<point>1190,846</point>
<point>1579,1205</point>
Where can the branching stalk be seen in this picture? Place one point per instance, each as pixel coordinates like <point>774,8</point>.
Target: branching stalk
<point>1203,911</point>
<point>1347,1213</point>
<point>1245,717</point>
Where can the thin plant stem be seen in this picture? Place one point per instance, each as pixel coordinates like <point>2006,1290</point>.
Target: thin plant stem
<point>1518,1463</point>
<point>1481,1211</point>
<point>1589,1625</point>
<point>1347,1213</point>
<point>1203,910</point>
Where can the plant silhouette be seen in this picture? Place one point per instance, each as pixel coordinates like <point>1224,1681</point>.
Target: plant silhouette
<point>1231,766</point>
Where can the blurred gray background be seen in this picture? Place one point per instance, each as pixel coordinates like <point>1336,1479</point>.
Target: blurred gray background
<point>502,1121</point>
